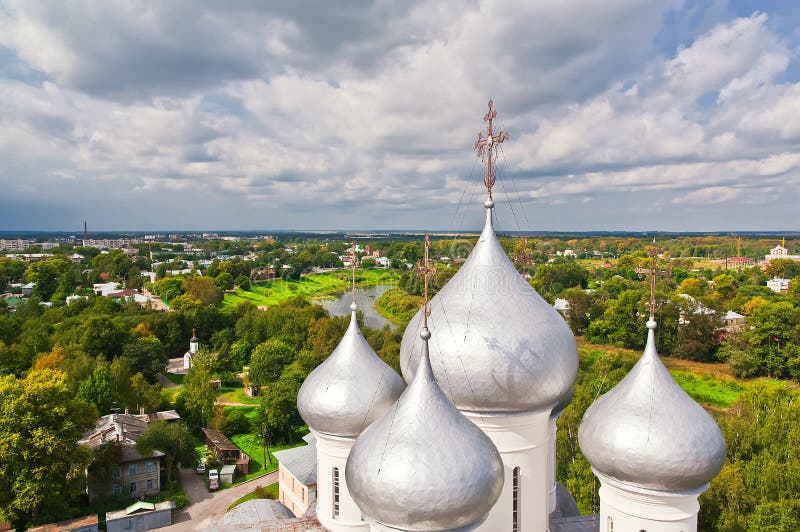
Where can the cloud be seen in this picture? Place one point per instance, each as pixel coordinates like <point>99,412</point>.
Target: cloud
<point>363,114</point>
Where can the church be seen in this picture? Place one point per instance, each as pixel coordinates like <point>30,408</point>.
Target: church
<point>466,439</point>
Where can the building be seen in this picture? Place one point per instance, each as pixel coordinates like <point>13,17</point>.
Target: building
<point>780,252</point>
<point>140,516</point>
<point>80,524</point>
<point>135,473</point>
<point>297,476</point>
<point>778,284</point>
<point>14,244</point>
<point>226,451</point>
<point>471,442</point>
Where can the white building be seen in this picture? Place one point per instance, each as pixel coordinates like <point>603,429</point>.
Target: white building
<point>194,345</point>
<point>297,476</point>
<point>778,284</point>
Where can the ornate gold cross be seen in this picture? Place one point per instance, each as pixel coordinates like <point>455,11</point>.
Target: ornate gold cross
<point>486,147</point>
<point>427,271</point>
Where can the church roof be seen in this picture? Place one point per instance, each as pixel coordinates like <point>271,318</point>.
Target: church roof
<point>301,462</point>
<point>350,390</point>
<point>648,432</point>
<point>497,345</point>
<point>424,446</point>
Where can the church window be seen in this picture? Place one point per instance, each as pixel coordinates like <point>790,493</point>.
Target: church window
<point>610,526</point>
<point>515,500</point>
<point>336,492</point>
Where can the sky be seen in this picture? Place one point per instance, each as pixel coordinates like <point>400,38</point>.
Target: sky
<point>628,115</point>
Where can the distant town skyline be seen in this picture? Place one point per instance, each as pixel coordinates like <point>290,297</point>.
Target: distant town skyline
<point>624,115</point>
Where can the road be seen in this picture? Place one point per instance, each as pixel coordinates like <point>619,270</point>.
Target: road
<point>206,507</point>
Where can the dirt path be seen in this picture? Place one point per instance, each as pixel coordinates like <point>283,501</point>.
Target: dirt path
<point>206,507</point>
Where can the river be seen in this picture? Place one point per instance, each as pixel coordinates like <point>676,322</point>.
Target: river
<point>339,305</point>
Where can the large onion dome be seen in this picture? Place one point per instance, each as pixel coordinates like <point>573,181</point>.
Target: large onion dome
<point>424,466</point>
<point>648,432</point>
<point>498,346</point>
<point>351,389</point>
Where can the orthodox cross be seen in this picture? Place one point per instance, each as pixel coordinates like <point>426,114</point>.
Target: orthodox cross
<point>487,146</point>
<point>523,257</point>
<point>653,273</point>
<point>427,271</point>
<point>353,258</point>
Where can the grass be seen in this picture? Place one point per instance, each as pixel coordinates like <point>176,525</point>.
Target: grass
<point>274,292</point>
<point>261,492</point>
<point>235,394</point>
<point>708,389</point>
<point>251,444</point>
<point>175,378</point>
<point>397,306</point>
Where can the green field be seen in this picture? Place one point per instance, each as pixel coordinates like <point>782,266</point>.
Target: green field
<point>397,306</point>
<point>274,292</point>
<point>251,444</point>
<point>708,389</point>
<point>235,395</point>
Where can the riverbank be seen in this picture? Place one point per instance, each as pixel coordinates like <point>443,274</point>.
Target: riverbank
<point>274,292</point>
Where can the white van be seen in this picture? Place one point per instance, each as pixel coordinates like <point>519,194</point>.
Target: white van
<point>213,479</point>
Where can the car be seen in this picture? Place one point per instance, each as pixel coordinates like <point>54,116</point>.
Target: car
<point>201,468</point>
<point>213,479</point>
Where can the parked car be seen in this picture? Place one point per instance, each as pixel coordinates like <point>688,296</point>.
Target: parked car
<point>213,479</point>
<point>201,468</point>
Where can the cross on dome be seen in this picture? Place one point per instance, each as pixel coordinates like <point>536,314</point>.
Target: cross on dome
<point>652,273</point>
<point>486,147</point>
<point>427,271</point>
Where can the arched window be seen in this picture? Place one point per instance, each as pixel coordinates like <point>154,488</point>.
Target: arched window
<point>515,500</point>
<point>335,492</point>
<point>610,526</point>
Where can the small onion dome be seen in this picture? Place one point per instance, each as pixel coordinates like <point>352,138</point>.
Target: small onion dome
<point>648,432</point>
<point>424,466</point>
<point>350,390</point>
<point>498,346</point>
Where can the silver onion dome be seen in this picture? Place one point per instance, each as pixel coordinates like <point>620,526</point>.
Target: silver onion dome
<point>350,390</point>
<point>424,466</point>
<point>646,431</point>
<point>497,345</point>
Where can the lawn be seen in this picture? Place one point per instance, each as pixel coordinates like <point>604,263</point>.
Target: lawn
<point>274,292</point>
<point>261,492</point>
<point>175,378</point>
<point>708,389</point>
<point>235,394</point>
<point>251,444</point>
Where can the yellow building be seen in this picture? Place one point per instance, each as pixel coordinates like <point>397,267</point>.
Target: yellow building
<point>297,476</point>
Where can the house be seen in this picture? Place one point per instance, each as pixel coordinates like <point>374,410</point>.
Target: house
<point>778,285</point>
<point>140,516</point>
<point>103,289</point>
<point>80,524</point>
<point>226,451</point>
<point>27,289</point>
<point>562,306</point>
<point>696,307</point>
<point>135,473</point>
<point>297,476</point>
<point>733,319</point>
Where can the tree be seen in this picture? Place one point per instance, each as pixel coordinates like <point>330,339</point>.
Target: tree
<point>172,438</point>
<point>52,274</point>
<point>725,286</point>
<point>199,394</point>
<point>224,281</point>
<point>98,389</point>
<point>203,289</point>
<point>268,361</point>
<point>243,282</point>
<point>169,287</point>
<point>147,356</point>
<point>41,464</point>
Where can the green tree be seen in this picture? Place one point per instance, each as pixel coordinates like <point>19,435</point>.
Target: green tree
<point>172,438</point>
<point>98,389</point>
<point>268,361</point>
<point>725,286</point>
<point>53,274</point>
<point>203,289</point>
<point>41,464</point>
<point>224,281</point>
<point>199,395</point>
<point>243,282</point>
<point>146,355</point>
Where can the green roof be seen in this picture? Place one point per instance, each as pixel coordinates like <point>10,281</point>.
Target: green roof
<point>139,505</point>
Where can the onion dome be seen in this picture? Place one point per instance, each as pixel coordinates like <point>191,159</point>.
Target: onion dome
<point>648,432</point>
<point>424,466</point>
<point>498,346</point>
<point>351,389</point>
